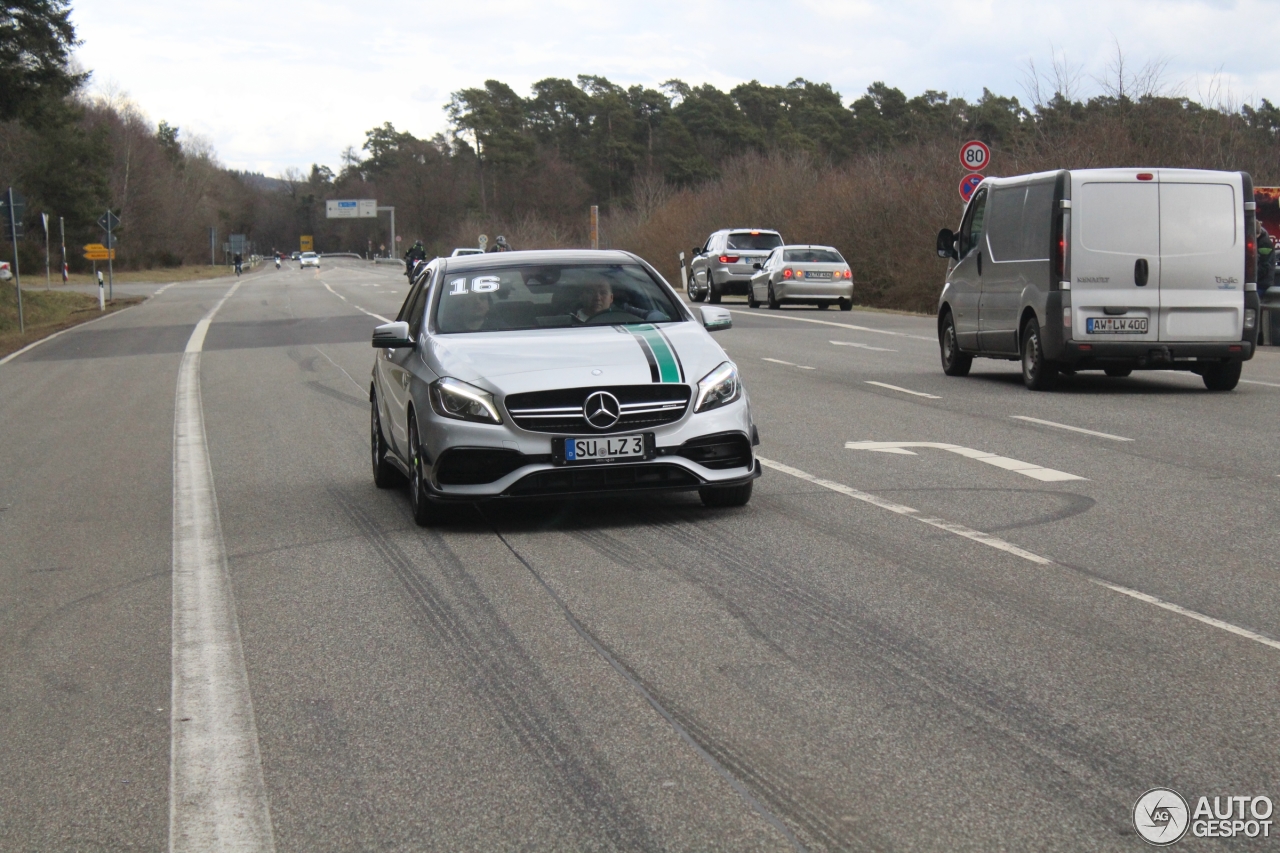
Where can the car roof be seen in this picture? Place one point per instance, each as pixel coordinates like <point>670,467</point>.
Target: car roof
<point>538,256</point>
<point>807,246</point>
<point>748,231</point>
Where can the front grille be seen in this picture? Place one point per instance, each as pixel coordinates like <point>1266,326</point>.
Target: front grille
<point>718,452</point>
<point>604,478</point>
<point>560,411</point>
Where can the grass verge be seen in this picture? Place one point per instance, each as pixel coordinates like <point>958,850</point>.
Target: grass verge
<point>46,312</point>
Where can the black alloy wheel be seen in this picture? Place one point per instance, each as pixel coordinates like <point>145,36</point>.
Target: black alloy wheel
<point>1222,377</point>
<point>725,496</point>
<point>423,514</point>
<point>1037,373</point>
<point>385,475</point>
<point>774,304</point>
<point>954,362</point>
<point>846,304</point>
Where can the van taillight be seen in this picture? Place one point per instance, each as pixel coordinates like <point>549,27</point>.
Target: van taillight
<point>1146,176</point>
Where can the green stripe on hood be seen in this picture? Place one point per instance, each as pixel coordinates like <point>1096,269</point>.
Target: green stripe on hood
<point>668,365</point>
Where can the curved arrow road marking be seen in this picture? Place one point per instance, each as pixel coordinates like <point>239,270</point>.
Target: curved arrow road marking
<point>1026,469</point>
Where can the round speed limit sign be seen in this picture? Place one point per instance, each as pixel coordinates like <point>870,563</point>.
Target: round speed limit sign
<point>975,155</point>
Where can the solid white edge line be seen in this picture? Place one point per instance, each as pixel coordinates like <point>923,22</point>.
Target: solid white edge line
<point>1257,382</point>
<point>776,315</point>
<point>1009,548</point>
<point>217,796</point>
<point>903,390</point>
<point>1072,428</point>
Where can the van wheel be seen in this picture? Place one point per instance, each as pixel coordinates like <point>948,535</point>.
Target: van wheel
<point>954,362</point>
<point>1118,372</point>
<point>846,304</point>
<point>1222,377</point>
<point>774,304</point>
<point>1037,374</point>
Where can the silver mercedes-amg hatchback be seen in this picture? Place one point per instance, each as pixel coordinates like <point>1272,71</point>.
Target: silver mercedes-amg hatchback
<point>555,373</point>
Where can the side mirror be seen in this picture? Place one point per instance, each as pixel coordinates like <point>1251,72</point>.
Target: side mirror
<point>392,336</point>
<point>947,244</point>
<point>696,251</point>
<point>757,266</point>
<point>716,319</point>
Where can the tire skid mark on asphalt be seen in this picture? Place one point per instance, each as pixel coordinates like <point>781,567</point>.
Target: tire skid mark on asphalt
<point>721,761</point>
<point>501,673</point>
<point>1083,770</point>
<point>816,816</point>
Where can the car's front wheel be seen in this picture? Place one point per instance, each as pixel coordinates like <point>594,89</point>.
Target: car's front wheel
<point>385,475</point>
<point>423,512</point>
<point>723,496</point>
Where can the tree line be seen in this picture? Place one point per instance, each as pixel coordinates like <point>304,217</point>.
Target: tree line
<point>874,175</point>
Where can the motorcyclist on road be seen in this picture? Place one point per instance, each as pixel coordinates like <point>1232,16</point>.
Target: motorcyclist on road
<point>417,254</point>
<point>500,245</point>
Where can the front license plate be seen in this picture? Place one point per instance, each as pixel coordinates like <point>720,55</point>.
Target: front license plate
<point>1116,325</point>
<point>605,447</point>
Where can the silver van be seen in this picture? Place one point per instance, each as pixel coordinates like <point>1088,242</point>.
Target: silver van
<point>1104,269</point>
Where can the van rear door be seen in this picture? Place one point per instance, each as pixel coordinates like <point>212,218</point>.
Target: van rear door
<point>1201,256</point>
<point>1115,256</point>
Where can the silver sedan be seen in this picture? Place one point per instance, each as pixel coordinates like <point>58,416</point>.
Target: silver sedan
<point>807,275</point>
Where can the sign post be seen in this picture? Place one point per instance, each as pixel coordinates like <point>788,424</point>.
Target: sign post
<point>48,279</point>
<point>975,155</point>
<point>595,226</point>
<point>360,208</point>
<point>62,229</point>
<point>109,221</point>
<point>968,184</point>
<point>13,206</point>
<point>304,243</point>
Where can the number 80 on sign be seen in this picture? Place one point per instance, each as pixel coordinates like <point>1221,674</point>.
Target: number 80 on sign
<point>975,155</point>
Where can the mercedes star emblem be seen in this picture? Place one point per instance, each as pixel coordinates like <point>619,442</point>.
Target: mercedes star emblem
<point>602,410</point>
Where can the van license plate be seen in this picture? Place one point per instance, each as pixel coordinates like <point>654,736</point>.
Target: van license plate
<point>1116,325</point>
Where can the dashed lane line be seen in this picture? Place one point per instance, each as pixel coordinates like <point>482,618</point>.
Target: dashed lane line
<point>1072,428</point>
<point>903,390</point>
<point>788,363</point>
<point>1009,548</point>
<point>217,798</point>
<point>862,346</point>
<point>780,316</point>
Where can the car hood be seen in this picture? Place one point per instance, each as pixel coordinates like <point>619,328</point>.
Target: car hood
<point>516,362</point>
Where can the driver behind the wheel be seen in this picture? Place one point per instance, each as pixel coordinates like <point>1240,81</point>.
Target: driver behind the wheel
<point>595,297</point>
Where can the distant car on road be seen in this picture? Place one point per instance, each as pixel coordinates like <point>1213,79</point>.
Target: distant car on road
<point>295,256</point>
<point>310,259</point>
<point>726,262</point>
<point>5,274</point>
<point>556,373</point>
<point>457,253</point>
<point>808,275</point>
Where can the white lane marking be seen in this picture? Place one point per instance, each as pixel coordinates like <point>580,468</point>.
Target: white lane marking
<point>339,366</point>
<point>788,363</point>
<point>163,289</point>
<point>958,529</point>
<point>1258,382</point>
<point>371,314</point>
<point>1072,428</point>
<point>903,390</point>
<point>1009,548</point>
<point>334,292</point>
<point>780,316</point>
<point>217,798</point>
<point>1027,469</point>
<point>862,346</point>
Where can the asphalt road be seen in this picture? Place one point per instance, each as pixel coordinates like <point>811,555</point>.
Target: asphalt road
<point>890,648</point>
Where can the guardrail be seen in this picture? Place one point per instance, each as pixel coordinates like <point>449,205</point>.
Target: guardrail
<point>388,261</point>
<point>342,255</point>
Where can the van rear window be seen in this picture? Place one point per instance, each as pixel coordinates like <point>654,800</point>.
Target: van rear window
<point>1197,219</point>
<point>1121,219</point>
<point>759,240</point>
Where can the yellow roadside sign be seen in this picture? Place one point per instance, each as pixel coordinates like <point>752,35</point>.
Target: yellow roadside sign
<point>305,241</point>
<point>104,255</point>
<point>94,247</point>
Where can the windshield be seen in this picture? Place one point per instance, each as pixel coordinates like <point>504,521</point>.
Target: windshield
<point>812,256</point>
<point>550,296</point>
<point>753,240</point>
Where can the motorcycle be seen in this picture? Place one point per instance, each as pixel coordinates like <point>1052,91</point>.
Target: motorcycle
<point>277,263</point>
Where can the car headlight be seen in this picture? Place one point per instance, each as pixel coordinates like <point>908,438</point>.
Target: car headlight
<point>718,388</point>
<point>453,399</point>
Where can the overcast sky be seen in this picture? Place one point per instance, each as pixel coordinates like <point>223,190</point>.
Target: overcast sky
<point>279,83</point>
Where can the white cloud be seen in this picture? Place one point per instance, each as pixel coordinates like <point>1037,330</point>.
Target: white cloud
<point>287,83</point>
